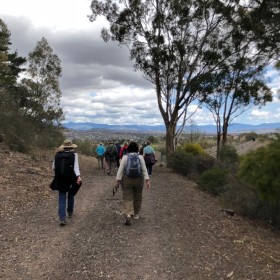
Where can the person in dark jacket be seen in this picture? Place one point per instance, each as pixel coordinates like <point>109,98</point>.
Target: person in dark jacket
<point>118,147</point>
<point>110,156</point>
<point>68,177</point>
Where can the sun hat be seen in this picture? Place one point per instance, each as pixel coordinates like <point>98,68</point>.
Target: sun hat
<point>67,144</point>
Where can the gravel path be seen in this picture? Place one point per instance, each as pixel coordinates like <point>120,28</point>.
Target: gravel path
<point>182,234</point>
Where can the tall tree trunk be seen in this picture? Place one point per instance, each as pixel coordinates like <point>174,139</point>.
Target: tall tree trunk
<point>218,144</point>
<point>170,137</point>
<point>225,132</point>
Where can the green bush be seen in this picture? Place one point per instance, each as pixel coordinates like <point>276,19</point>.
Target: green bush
<point>85,147</point>
<point>228,154</point>
<point>213,180</point>
<point>203,163</point>
<point>189,164</point>
<point>181,162</point>
<point>193,148</point>
<point>261,169</point>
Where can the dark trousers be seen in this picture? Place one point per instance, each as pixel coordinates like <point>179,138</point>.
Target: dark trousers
<point>149,168</point>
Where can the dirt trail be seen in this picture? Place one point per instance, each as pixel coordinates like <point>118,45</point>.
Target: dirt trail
<point>181,235</point>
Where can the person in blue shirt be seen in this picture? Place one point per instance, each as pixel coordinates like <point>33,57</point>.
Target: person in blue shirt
<point>100,150</point>
<point>149,157</point>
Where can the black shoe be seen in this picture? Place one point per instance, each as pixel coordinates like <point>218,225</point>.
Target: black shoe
<point>70,214</point>
<point>127,220</point>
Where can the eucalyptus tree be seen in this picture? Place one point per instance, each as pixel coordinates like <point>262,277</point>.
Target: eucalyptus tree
<point>171,43</point>
<point>10,68</point>
<point>236,86</point>
<point>42,86</point>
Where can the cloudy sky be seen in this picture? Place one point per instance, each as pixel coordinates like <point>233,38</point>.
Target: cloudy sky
<point>98,81</point>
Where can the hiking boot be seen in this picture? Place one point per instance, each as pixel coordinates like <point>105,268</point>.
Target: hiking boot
<point>62,222</point>
<point>70,214</point>
<point>136,217</point>
<point>127,220</point>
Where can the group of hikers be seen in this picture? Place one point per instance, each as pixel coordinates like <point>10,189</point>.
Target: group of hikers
<point>114,152</point>
<point>134,166</point>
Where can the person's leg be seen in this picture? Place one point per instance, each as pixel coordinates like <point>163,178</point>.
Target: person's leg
<point>127,197</point>
<point>62,207</point>
<point>99,162</point>
<point>70,206</point>
<point>102,162</point>
<point>108,166</point>
<point>137,201</point>
<point>151,169</point>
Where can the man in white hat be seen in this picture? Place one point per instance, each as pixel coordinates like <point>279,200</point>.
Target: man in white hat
<point>68,178</point>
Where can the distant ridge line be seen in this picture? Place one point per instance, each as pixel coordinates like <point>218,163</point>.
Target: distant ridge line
<point>207,129</point>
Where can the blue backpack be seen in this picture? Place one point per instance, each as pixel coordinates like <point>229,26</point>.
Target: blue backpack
<point>133,167</point>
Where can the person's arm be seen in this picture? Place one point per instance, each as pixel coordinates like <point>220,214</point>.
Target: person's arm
<point>77,169</point>
<point>121,168</point>
<point>145,172</point>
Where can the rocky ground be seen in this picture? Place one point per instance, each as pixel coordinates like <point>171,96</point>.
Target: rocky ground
<point>182,234</point>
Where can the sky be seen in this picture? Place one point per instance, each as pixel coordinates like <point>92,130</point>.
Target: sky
<point>98,82</point>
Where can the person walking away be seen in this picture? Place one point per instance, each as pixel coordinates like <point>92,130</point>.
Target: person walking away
<point>100,150</point>
<point>118,147</point>
<point>67,174</point>
<point>110,156</point>
<point>123,150</point>
<point>142,149</point>
<point>149,157</point>
<point>132,174</point>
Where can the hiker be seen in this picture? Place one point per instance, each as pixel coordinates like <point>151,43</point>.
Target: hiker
<point>118,147</point>
<point>110,156</point>
<point>132,187</point>
<point>149,157</point>
<point>100,150</point>
<point>123,150</point>
<point>67,177</point>
<point>142,148</point>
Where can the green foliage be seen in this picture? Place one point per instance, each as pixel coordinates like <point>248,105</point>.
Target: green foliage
<point>182,162</point>
<point>189,164</point>
<point>249,136</point>
<point>193,148</point>
<point>85,147</point>
<point>213,180</point>
<point>228,154</point>
<point>245,200</point>
<point>261,168</point>
<point>43,93</point>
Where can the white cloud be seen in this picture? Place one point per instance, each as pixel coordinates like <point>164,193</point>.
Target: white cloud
<point>99,83</point>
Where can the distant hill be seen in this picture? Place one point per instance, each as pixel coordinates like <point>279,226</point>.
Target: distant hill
<point>207,129</point>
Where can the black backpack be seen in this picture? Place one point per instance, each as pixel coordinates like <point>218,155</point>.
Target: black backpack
<point>64,165</point>
<point>111,150</point>
<point>133,167</point>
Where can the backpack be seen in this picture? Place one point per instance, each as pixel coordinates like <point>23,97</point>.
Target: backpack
<point>64,165</point>
<point>111,150</point>
<point>133,167</point>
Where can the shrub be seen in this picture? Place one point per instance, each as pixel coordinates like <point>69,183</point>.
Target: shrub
<point>181,162</point>
<point>213,180</point>
<point>261,169</point>
<point>228,154</point>
<point>189,164</point>
<point>85,147</point>
<point>193,148</point>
